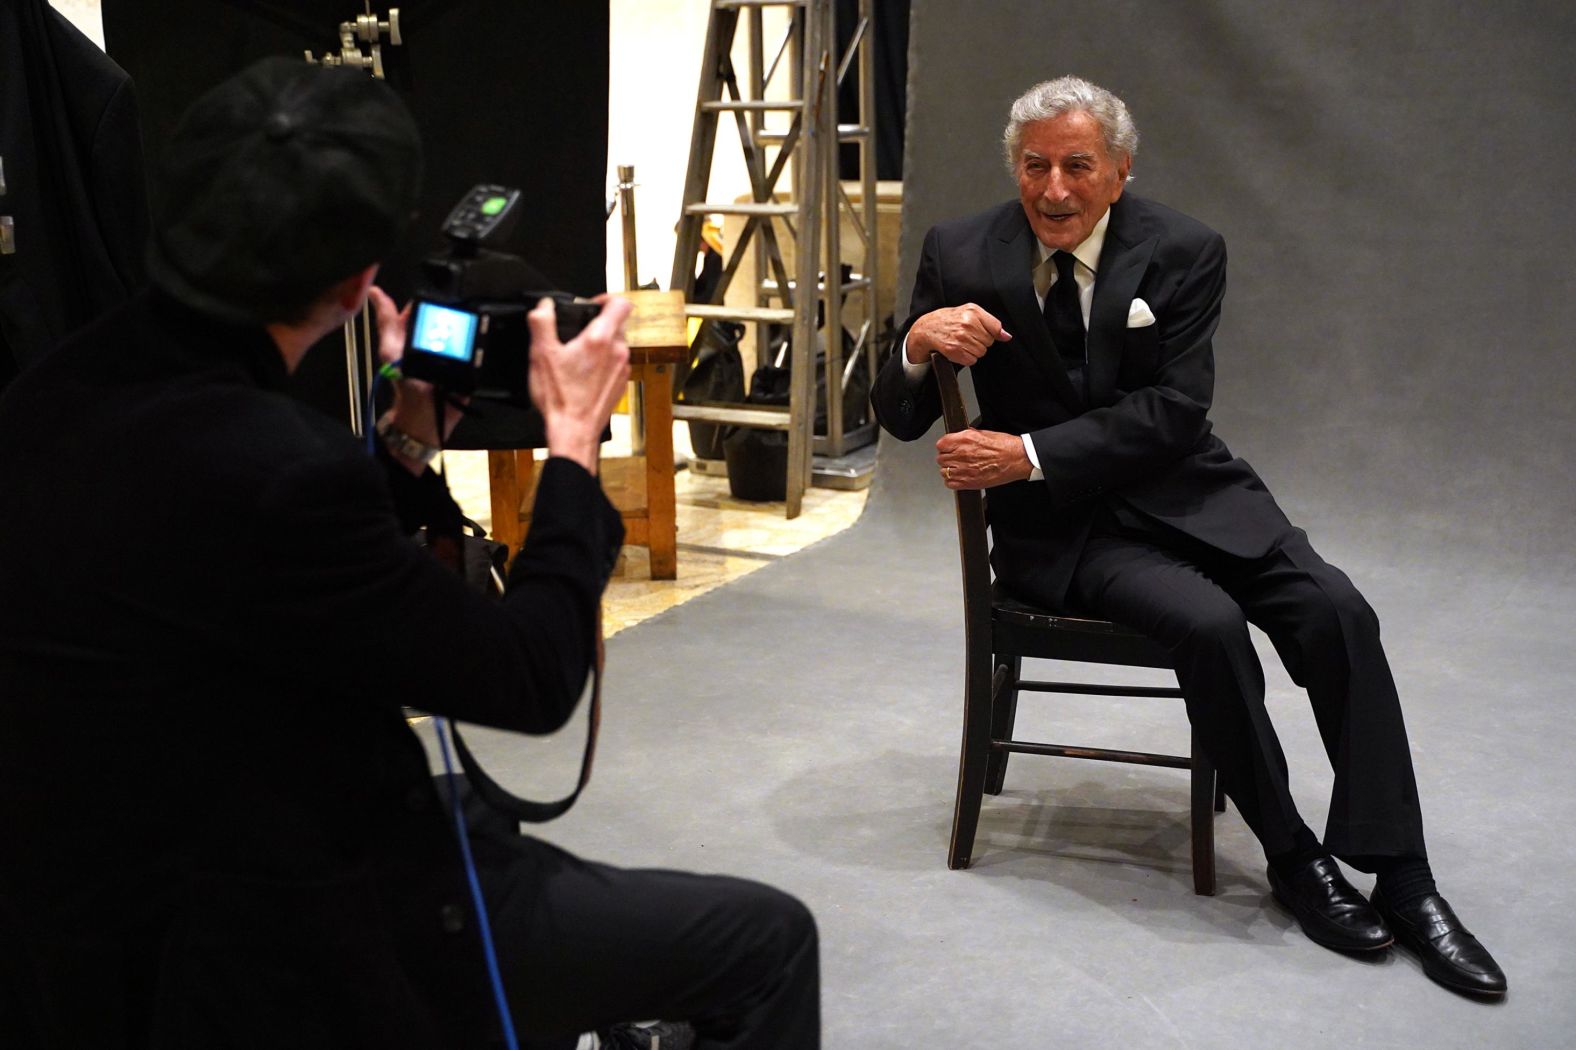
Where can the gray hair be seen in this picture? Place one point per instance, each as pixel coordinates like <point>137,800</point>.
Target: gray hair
<point>1052,98</point>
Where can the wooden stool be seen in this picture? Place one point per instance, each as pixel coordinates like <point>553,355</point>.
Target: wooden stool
<point>641,487</point>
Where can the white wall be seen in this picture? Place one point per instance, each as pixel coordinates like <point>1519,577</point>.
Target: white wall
<point>656,51</point>
<point>84,14</point>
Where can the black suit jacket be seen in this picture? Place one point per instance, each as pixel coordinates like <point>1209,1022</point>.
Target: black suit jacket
<point>1142,440</point>
<point>216,828</point>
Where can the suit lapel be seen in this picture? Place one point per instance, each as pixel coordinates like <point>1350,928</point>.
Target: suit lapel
<point>1122,262</point>
<point>1011,265</point>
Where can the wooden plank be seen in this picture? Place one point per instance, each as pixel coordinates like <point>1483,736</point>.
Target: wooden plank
<point>661,502</point>
<point>657,323</point>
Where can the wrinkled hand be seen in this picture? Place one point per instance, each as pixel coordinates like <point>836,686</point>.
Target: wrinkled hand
<point>413,410</point>
<point>961,334</point>
<point>576,384</point>
<point>981,459</point>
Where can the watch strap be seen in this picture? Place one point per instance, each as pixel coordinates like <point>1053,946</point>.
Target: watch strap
<point>402,444</point>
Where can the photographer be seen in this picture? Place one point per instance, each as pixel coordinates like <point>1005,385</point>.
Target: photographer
<point>216,827</point>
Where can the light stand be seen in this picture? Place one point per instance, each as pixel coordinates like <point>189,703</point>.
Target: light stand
<point>367,28</point>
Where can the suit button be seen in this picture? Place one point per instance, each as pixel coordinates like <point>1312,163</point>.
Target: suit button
<point>906,405</point>
<point>452,916</point>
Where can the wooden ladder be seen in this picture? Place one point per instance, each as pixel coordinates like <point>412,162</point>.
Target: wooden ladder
<point>791,227</point>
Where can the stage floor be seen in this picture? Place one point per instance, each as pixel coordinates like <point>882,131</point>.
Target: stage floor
<point>720,539</point>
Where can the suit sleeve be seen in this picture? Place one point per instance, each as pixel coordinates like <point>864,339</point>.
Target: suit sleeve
<point>349,605</point>
<point>906,408</point>
<point>1155,424</point>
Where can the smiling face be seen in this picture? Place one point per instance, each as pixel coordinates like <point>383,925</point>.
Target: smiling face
<point>1067,179</point>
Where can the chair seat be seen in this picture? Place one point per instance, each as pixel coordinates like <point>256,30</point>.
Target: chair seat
<point>1028,630</point>
<point>1007,609</point>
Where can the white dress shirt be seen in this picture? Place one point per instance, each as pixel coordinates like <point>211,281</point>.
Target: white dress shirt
<point>1087,255</point>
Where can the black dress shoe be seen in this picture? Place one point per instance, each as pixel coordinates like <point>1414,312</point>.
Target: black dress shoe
<point>1329,909</point>
<point>1449,952</point>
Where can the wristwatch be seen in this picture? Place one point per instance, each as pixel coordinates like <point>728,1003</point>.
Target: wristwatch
<point>402,444</point>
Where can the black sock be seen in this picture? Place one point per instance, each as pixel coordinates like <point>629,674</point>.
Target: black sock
<point>1305,847</point>
<point>1403,881</point>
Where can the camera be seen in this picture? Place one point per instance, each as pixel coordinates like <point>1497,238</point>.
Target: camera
<point>468,331</point>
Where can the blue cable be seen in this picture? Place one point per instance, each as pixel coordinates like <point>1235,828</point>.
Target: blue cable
<point>383,374</point>
<point>368,428</point>
<point>476,888</point>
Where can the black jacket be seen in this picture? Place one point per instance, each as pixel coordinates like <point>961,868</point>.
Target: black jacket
<point>216,828</point>
<point>1142,440</point>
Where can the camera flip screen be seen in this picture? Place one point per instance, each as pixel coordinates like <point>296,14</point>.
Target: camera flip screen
<point>445,331</point>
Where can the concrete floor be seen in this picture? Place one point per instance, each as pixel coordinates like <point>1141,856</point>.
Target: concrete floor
<point>800,726</point>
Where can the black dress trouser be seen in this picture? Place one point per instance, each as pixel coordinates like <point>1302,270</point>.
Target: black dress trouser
<point>583,945</point>
<point>1197,602</point>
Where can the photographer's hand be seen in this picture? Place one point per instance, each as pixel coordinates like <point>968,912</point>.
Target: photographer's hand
<point>412,412</point>
<point>576,384</point>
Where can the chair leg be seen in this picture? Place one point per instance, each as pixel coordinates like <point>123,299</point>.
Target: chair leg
<point>1220,794</point>
<point>1004,711</point>
<point>975,751</point>
<point>1203,820</point>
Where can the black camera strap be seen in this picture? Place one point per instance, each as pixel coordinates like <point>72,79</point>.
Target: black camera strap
<point>451,550</point>
<point>525,810</point>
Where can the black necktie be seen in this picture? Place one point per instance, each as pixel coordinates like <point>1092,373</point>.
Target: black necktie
<point>1063,315</point>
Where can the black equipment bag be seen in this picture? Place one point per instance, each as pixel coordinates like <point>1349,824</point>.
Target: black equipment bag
<point>758,459</point>
<point>716,373</point>
<point>856,395</point>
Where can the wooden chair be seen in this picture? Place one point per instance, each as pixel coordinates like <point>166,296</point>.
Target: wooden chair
<point>999,633</point>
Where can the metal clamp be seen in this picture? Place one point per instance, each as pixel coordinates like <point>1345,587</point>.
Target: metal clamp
<point>367,28</point>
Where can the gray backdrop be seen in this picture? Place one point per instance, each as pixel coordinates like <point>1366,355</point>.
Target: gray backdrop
<point>1394,361</point>
<point>1393,180</point>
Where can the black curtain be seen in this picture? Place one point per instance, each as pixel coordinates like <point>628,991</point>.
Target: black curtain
<point>74,187</point>
<point>502,91</point>
<point>891,77</point>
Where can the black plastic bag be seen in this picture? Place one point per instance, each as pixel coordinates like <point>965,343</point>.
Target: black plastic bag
<point>716,373</point>
<point>758,459</point>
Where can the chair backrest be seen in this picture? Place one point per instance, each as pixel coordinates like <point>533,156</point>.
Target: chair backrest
<point>973,543</point>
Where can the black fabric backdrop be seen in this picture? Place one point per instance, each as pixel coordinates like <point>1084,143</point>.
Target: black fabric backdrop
<point>68,138</point>
<point>502,92</point>
<point>1393,181</point>
<point>890,18</point>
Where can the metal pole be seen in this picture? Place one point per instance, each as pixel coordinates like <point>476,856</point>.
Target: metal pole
<point>636,395</point>
<point>626,202</point>
<point>353,377</point>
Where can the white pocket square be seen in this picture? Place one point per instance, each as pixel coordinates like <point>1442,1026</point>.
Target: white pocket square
<point>1139,315</point>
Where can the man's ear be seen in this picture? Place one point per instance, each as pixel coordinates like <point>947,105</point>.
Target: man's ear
<point>350,293</point>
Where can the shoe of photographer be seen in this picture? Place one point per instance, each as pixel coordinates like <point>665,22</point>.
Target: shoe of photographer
<point>653,1035</point>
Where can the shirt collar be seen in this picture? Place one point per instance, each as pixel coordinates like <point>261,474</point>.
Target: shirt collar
<point>1088,252</point>
<point>210,339</point>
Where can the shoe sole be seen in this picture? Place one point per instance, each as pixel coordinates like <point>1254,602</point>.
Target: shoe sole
<point>1325,942</point>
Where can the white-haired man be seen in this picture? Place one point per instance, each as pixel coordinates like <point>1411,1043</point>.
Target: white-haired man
<point>1086,317</point>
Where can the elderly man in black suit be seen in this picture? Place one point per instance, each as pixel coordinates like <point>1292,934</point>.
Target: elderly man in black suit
<point>1085,315</point>
<point>216,826</point>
